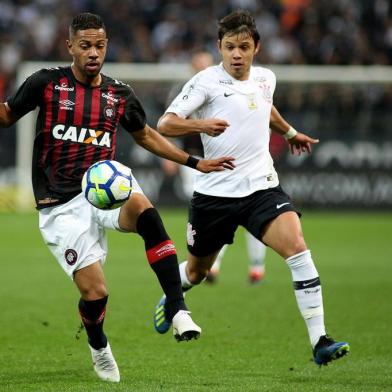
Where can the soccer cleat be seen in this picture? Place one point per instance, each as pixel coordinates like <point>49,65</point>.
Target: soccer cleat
<point>104,364</point>
<point>184,328</point>
<point>161,323</point>
<point>327,350</point>
<point>256,275</point>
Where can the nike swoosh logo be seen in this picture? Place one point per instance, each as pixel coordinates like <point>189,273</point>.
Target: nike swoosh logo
<point>309,283</point>
<point>124,188</point>
<point>281,205</point>
<point>228,95</point>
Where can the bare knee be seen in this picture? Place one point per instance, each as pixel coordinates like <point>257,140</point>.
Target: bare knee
<point>196,275</point>
<point>91,282</point>
<point>198,267</point>
<point>296,246</point>
<point>93,291</point>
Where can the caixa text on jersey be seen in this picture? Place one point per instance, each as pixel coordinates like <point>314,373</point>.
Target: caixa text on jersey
<point>82,135</point>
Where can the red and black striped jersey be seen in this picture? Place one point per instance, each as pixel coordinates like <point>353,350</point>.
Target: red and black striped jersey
<point>76,127</point>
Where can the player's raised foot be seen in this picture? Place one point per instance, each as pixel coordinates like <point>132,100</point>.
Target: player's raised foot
<point>256,275</point>
<point>161,323</point>
<point>104,364</point>
<point>327,350</point>
<point>184,328</point>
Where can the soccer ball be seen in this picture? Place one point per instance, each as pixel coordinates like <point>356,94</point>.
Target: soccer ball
<point>107,184</point>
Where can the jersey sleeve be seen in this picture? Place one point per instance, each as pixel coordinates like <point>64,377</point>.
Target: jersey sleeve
<point>29,94</point>
<point>134,117</point>
<point>193,95</point>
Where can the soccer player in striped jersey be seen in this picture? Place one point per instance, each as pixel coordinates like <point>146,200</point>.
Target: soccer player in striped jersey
<point>80,110</point>
<point>231,106</point>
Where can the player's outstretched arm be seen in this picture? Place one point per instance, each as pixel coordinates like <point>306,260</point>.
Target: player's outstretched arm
<point>154,142</point>
<point>172,125</point>
<point>6,116</point>
<point>299,142</point>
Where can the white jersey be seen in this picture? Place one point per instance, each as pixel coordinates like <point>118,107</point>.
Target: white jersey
<point>246,106</point>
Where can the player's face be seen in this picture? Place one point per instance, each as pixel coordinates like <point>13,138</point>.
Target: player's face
<point>88,50</point>
<point>237,54</point>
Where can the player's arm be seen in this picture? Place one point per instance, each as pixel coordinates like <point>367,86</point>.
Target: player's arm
<point>299,142</point>
<point>7,118</point>
<point>154,142</point>
<point>172,125</point>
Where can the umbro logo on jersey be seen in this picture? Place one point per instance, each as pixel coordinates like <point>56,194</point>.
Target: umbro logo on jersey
<point>66,104</point>
<point>82,135</point>
<point>278,206</point>
<point>228,94</point>
<point>64,87</point>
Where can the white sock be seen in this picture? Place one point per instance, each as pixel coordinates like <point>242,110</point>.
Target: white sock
<point>186,284</point>
<point>217,263</point>
<point>308,293</point>
<point>256,251</point>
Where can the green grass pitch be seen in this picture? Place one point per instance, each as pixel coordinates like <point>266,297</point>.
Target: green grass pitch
<point>254,338</point>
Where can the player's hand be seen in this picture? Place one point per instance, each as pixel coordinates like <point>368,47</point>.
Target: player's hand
<point>301,143</point>
<point>214,126</point>
<point>211,165</point>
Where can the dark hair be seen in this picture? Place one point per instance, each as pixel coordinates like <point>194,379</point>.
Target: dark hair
<point>237,22</point>
<point>86,21</point>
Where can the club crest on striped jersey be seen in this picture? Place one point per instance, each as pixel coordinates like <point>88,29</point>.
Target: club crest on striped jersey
<point>109,112</point>
<point>82,135</point>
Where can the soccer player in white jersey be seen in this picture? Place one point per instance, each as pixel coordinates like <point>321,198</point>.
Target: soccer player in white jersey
<point>200,60</point>
<point>232,108</point>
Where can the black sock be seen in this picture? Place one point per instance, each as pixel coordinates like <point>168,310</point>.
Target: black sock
<point>162,256</point>
<point>93,316</point>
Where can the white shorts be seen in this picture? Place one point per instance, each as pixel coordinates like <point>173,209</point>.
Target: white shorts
<point>75,231</point>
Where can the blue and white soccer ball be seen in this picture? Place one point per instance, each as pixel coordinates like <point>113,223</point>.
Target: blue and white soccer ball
<point>107,184</point>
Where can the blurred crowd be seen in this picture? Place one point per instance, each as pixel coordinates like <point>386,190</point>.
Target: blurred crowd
<point>334,32</point>
<point>292,31</point>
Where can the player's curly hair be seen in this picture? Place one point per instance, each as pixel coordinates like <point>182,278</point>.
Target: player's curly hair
<point>237,22</point>
<point>86,21</point>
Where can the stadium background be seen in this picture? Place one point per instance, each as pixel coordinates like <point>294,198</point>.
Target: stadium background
<point>351,168</point>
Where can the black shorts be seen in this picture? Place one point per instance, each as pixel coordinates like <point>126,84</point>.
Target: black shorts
<point>213,220</point>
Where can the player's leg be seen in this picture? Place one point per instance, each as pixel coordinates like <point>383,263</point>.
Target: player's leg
<point>78,243</point>
<point>210,226</point>
<point>138,215</point>
<point>90,281</point>
<point>212,275</point>
<point>284,235</point>
<point>256,252</point>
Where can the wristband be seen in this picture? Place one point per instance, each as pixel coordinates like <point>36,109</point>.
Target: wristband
<point>290,133</point>
<point>192,162</point>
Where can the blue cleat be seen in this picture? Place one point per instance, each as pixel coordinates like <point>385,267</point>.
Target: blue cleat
<point>327,350</point>
<point>161,323</point>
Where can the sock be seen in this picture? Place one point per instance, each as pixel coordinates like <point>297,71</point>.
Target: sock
<point>93,316</point>
<point>186,284</point>
<point>217,263</point>
<point>308,293</point>
<point>162,256</point>
<point>256,251</point>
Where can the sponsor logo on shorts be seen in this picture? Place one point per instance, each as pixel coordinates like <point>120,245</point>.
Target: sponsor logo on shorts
<point>278,206</point>
<point>70,256</point>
